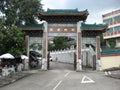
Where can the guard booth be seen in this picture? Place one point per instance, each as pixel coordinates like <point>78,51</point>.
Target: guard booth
<point>70,23</point>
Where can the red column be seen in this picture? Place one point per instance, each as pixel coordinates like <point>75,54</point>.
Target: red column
<point>79,43</point>
<point>98,48</point>
<point>44,60</point>
<point>98,62</point>
<point>27,44</point>
<point>44,45</point>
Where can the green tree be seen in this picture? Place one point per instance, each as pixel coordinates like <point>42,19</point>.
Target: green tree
<point>112,42</point>
<point>16,40</point>
<point>19,11</point>
<point>60,43</point>
<point>51,47</point>
<point>2,34</point>
<point>11,40</point>
<point>16,12</point>
<point>102,41</point>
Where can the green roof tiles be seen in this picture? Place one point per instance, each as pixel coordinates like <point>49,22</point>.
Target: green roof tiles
<point>63,11</point>
<point>63,15</point>
<point>83,26</point>
<point>92,26</point>
<point>37,26</point>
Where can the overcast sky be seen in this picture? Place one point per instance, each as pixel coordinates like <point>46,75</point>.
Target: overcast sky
<point>96,8</point>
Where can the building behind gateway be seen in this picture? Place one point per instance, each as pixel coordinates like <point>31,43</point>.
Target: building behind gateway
<point>113,32</point>
<point>111,53</point>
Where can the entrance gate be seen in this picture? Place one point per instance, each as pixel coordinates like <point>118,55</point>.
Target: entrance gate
<point>66,23</point>
<point>89,52</point>
<point>58,30</point>
<point>88,59</point>
<point>69,30</point>
<point>63,56</point>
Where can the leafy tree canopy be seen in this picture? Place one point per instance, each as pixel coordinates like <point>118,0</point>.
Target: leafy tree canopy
<point>11,40</point>
<point>18,12</point>
<point>112,43</point>
<point>59,43</point>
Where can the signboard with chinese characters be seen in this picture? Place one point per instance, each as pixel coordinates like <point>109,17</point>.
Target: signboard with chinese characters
<point>62,34</point>
<point>62,28</point>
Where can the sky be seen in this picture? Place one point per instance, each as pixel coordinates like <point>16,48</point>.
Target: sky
<point>96,8</point>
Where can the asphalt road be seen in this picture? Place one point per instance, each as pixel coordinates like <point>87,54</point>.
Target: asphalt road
<point>63,77</point>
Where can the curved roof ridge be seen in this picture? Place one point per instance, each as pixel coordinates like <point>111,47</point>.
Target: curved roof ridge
<point>94,26</point>
<point>63,11</point>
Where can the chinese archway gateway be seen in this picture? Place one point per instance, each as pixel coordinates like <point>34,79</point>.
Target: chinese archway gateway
<point>68,22</point>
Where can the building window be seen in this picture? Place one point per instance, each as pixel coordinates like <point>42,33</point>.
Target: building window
<point>117,28</point>
<point>117,18</point>
<point>107,21</point>
<point>109,30</point>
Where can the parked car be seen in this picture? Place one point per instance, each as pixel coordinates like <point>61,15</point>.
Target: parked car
<point>35,59</point>
<point>36,55</point>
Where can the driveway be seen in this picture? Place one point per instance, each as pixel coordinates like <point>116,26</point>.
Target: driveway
<point>62,77</point>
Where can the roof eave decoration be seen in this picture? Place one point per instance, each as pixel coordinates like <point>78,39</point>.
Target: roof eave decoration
<point>94,27</point>
<point>37,27</point>
<point>85,12</point>
<point>63,12</point>
<point>27,29</point>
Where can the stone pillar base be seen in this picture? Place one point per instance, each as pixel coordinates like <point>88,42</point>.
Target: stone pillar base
<point>79,65</point>
<point>98,65</point>
<point>44,64</point>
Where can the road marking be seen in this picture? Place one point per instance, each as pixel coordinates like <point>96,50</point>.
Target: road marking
<point>67,74</point>
<point>89,80</point>
<point>61,80</point>
<point>57,85</point>
<point>108,73</point>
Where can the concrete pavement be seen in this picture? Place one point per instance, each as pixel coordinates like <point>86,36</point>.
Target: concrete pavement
<point>12,78</point>
<point>64,78</point>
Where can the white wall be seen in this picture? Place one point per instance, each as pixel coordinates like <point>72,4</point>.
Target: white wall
<point>65,56</point>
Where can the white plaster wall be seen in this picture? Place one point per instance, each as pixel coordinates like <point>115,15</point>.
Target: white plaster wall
<point>63,57</point>
<point>90,58</point>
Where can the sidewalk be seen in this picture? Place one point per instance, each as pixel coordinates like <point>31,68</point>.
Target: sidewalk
<point>10,79</point>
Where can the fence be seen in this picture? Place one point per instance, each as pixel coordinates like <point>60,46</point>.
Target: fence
<point>66,56</point>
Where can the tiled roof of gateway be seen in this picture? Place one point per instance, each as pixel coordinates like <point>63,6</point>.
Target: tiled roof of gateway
<point>63,11</point>
<point>83,27</point>
<point>93,26</point>
<point>33,27</point>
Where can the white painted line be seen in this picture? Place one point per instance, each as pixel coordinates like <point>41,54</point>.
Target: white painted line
<point>106,73</point>
<point>109,72</point>
<point>57,85</point>
<point>67,74</point>
<point>89,80</point>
